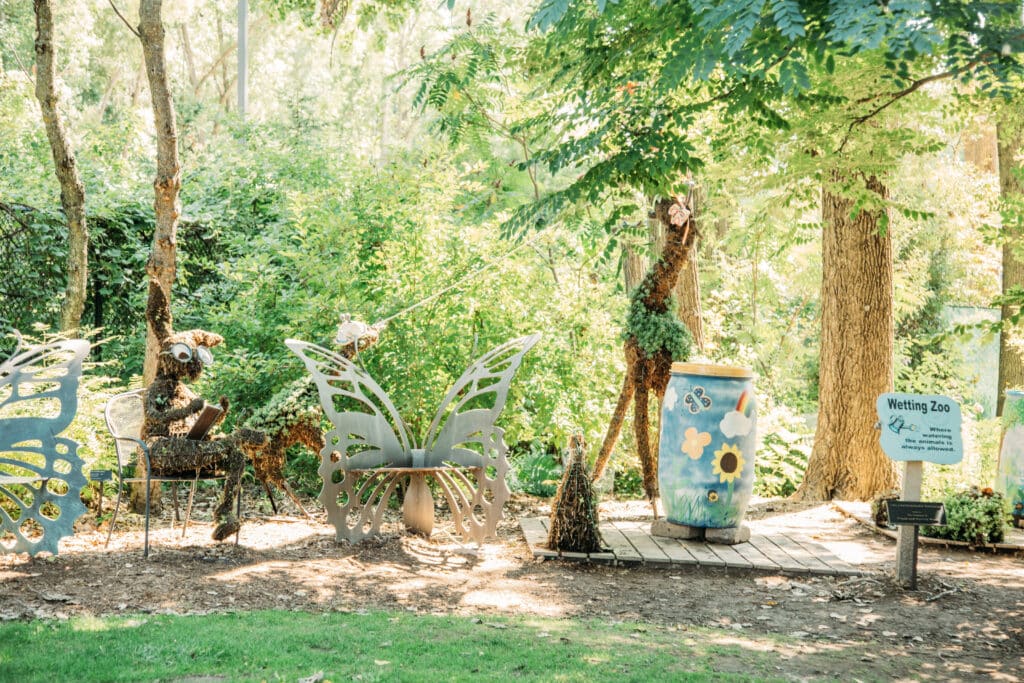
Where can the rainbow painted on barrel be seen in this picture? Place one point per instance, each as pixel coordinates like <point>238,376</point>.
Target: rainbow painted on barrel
<point>744,402</point>
<point>708,439</point>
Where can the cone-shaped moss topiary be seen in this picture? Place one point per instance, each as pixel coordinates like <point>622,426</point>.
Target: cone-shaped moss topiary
<point>574,509</point>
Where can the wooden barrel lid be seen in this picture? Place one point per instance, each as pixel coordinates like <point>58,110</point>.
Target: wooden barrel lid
<point>712,370</point>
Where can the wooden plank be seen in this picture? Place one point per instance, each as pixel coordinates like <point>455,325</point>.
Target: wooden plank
<point>638,535</point>
<point>839,566</point>
<point>623,549</point>
<point>797,551</point>
<point>536,536</point>
<point>729,556</point>
<point>758,559</point>
<point>704,556</point>
<point>675,550</point>
<point>777,555</point>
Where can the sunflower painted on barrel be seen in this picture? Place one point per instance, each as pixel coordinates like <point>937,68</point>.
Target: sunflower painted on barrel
<point>706,453</point>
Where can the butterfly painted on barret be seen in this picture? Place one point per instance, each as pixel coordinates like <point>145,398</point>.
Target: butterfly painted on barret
<point>696,400</point>
<point>368,434</point>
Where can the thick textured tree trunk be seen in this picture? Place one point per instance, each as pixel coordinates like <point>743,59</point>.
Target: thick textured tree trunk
<point>72,192</point>
<point>162,265</point>
<point>1010,135</point>
<point>856,354</point>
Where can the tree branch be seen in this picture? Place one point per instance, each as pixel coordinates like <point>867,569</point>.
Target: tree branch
<point>118,13</point>
<point>909,90</point>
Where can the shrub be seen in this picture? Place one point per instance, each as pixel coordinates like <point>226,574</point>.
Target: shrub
<point>975,516</point>
<point>535,470</point>
<point>782,453</point>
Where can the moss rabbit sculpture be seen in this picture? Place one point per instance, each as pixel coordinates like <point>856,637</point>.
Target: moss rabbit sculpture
<point>171,409</point>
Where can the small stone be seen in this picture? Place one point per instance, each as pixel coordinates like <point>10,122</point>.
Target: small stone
<point>663,527</point>
<point>729,536</point>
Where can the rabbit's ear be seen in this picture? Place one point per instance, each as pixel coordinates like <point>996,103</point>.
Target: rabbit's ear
<point>207,339</point>
<point>158,312</point>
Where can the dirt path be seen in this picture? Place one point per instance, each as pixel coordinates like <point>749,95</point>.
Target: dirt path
<point>966,621</point>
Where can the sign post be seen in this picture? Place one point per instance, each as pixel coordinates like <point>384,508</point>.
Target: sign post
<point>917,428</point>
<point>910,515</point>
<point>100,476</point>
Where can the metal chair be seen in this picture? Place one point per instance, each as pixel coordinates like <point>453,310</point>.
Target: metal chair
<point>124,416</point>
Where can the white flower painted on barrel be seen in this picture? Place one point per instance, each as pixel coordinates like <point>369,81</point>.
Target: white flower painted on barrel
<point>736,422</point>
<point>670,398</point>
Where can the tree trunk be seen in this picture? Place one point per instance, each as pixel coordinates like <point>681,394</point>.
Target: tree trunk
<point>979,145</point>
<point>856,354</point>
<point>190,59</point>
<point>687,289</point>
<point>162,264</point>
<point>634,265</point>
<point>1010,134</point>
<point>72,192</point>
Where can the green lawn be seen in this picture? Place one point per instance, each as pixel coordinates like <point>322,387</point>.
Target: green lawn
<point>271,646</point>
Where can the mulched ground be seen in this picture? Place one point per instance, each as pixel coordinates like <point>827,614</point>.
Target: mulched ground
<point>965,622</point>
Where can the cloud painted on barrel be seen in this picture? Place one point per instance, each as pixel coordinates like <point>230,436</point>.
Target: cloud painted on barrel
<point>736,423</point>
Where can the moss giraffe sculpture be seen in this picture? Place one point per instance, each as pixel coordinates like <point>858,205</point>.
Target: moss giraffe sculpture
<point>171,408</point>
<point>655,338</point>
<point>293,415</point>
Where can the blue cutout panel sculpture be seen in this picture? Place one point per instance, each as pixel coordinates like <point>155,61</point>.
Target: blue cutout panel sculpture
<point>41,474</point>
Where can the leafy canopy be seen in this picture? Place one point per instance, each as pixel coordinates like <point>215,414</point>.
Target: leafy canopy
<point>639,79</point>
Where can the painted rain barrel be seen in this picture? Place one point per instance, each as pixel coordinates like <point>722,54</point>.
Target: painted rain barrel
<point>1010,473</point>
<point>708,439</point>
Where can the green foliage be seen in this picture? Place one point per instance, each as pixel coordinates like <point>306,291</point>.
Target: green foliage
<point>535,470</point>
<point>655,331</point>
<point>629,114</point>
<point>628,479</point>
<point>981,456</point>
<point>783,449</point>
<point>331,235</point>
<point>780,465</point>
<point>975,516</point>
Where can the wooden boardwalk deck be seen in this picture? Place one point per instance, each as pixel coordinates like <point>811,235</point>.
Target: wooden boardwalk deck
<point>631,542</point>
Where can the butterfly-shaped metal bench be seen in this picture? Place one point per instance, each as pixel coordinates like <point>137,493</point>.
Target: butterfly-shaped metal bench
<point>370,450</point>
<point>41,474</point>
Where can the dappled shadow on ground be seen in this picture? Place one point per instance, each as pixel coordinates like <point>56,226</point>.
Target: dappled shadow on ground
<point>965,621</point>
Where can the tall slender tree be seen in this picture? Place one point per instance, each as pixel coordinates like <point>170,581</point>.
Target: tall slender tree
<point>162,264</point>
<point>163,257</point>
<point>72,191</point>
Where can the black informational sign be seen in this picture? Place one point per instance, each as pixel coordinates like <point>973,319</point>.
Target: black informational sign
<point>101,475</point>
<point>916,513</point>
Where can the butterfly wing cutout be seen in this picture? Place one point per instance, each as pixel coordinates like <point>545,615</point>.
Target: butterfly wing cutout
<point>465,436</point>
<point>367,430</point>
<point>367,441</point>
<point>472,406</point>
<point>41,474</point>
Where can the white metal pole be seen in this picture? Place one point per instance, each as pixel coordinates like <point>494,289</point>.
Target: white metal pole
<point>243,67</point>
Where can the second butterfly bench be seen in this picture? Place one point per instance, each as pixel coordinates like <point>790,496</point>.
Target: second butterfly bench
<point>370,450</point>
